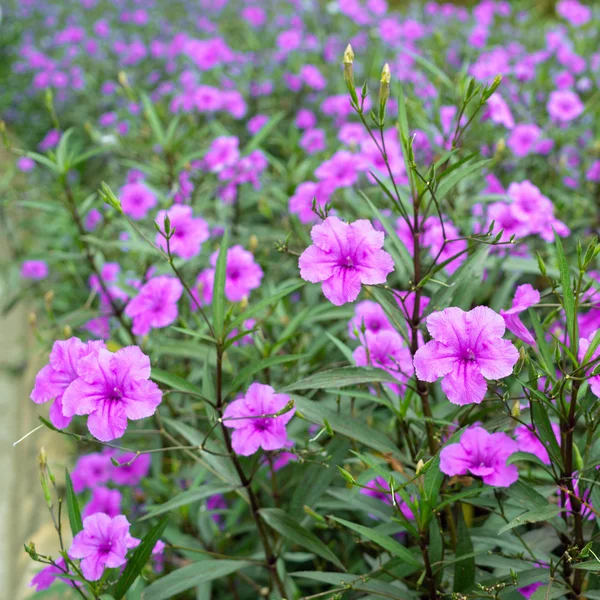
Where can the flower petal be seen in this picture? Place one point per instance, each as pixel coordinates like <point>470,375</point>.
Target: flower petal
<point>465,384</point>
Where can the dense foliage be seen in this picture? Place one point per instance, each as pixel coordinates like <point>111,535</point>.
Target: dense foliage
<point>310,338</point>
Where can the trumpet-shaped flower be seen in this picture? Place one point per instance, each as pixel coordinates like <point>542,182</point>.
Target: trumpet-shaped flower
<point>103,543</point>
<point>156,304</point>
<point>344,256</point>
<point>190,232</point>
<point>112,388</point>
<point>525,296</point>
<point>467,348</point>
<point>252,429</point>
<point>54,379</point>
<point>483,455</point>
<point>104,500</point>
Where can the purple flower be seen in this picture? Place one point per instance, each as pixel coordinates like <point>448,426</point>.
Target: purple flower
<point>223,152</point>
<point>45,578</point>
<point>525,296</point>
<point>55,378</point>
<point>302,200</point>
<point>255,124</point>
<point>584,344</point>
<point>386,350</point>
<point>104,500</point>
<point>305,119</point>
<point>498,111</point>
<point>257,431</point>
<point>34,269</point>
<point>467,348</point>
<point>523,138</point>
<point>242,275</point>
<point>189,233</point>
<point>137,200</point>
<point>112,388</point>
<point>103,543</point>
<point>344,256</point>
<point>216,503</point>
<point>528,441</point>
<point>370,315</point>
<point>313,141</point>
<point>25,164</point>
<point>341,169</point>
<point>577,14</point>
<point>564,106</point>
<point>380,488</point>
<point>132,467</point>
<point>91,470</point>
<point>483,455</point>
<point>156,304</point>
<point>92,219</point>
<point>50,140</point>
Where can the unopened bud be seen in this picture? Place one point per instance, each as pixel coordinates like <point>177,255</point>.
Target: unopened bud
<point>500,146</point>
<point>349,73</point>
<point>515,410</point>
<point>42,460</point>
<point>49,297</point>
<point>420,465</point>
<point>253,243</point>
<point>32,318</point>
<point>67,331</point>
<point>108,196</point>
<point>346,475</point>
<point>30,549</point>
<point>384,90</point>
<point>122,77</point>
<point>244,303</point>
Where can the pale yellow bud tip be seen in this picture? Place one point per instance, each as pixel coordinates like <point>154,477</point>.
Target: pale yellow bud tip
<point>386,76</point>
<point>348,55</point>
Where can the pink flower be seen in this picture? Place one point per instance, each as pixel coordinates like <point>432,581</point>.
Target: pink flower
<point>255,124</point>
<point>594,381</point>
<point>525,297</point>
<point>132,467</point>
<point>104,500</point>
<point>137,200</point>
<point>242,275</point>
<point>103,543</point>
<point>302,200</point>
<point>25,164</point>
<point>90,471</point>
<point>344,256</point>
<point>527,441</point>
<point>305,119</point>
<point>467,348</point>
<point>34,269</point>
<point>313,141</point>
<point>577,14</point>
<point>112,388</point>
<point>564,106</point>
<point>312,77</point>
<point>379,488</point>
<point>498,111</point>
<point>523,138</point>
<point>257,431</point>
<point>386,350</point>
<point>156,304</point>
<point>370,315</point>
<point>45,578</point>
<point>223,152</point>
<point>341,169</point>
<point>55,378</point>
<point>189,234</point>
<point>483,455</point>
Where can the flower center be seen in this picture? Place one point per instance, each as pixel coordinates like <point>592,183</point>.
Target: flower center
<point>470,355</point>
<point>115,395</point>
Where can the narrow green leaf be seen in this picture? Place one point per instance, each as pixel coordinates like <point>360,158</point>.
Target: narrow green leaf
<point>218,303</point>
<point>291,530</point>
<point>73,506</point>
<point>153,120</point>
<point>532,516</point>
<point>542,344</point>
<point>433,70</point>
<point>385,541</point>
<point>342,377</point>
<point>252,310</point>
<point>187,497</point>
<point>256,367</point>
<point>565,282</point>
<point>174,381</point>
<point>464,569</point>
<point>545,431</point>
<point>139,559</point>
<point>191,576</point>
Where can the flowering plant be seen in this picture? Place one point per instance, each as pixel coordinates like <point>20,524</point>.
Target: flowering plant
<point>308,339</point>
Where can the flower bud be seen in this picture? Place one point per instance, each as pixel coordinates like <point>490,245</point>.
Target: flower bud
<point>253,243</point>
<point>384,89</point>
<point>348,61</point>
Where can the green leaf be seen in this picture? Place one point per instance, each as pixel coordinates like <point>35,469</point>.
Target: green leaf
<point>187,497</point>
<point>592,348</point>
<point>153,120</point>
<point>464,569</point>
<point>174,381</point>
<point>252,310</point>
<point>139,559</point>
<point>257,367</point>
<point>429,66</point>
<point>526,496</point>
<point>336,378</point>
<point>466,277</point>
<point>590,565</point>
<point>218,303</point>
<point>291,530</point>
<point>345,425</point>
<point>565,282</point>
<point>544,430</point>
<point>73,506</point>
<point>190,576</point>
<point>542,344</point>
<point>385,541</point>
<point>451,180</point>
<point>532,516</point>
<point>264,132</point>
